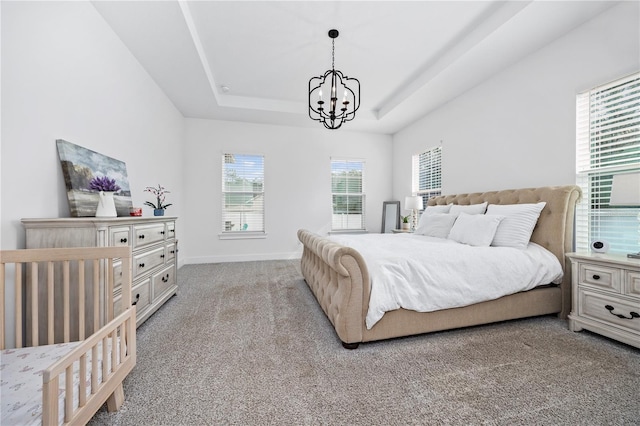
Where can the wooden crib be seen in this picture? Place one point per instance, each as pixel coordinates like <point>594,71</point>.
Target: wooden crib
<point>72,358</point>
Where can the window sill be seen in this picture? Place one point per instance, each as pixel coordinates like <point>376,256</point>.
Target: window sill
<point>242,235</point>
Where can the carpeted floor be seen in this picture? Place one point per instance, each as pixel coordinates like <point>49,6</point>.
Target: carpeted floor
<point>246,344</point>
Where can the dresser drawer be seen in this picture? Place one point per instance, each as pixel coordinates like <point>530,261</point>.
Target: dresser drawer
<point>599,276</point>
<point>633,283</point>
<point>172,250</point>
<point>146,261</point>
<point>163,280</point>
<point>171,230</point>
<point>148,234</point>
<point>140,296</point>
<point>604,308</point>
<point>120,236</point>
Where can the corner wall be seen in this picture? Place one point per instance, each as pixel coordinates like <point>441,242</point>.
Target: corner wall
<point>518,129</point>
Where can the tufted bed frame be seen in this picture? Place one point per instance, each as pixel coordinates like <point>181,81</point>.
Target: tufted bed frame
<point>338,276</point>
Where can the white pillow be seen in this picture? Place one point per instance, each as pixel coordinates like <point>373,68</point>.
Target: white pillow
<point>516,228</point>
<point>432,210</point>
<point>475,229</point>
<point>469,209</point>
<point>436,225</point>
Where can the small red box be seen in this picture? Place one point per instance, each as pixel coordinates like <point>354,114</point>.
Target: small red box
<point>135,211</point>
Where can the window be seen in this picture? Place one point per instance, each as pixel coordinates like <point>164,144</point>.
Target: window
<point>608,143</point>
<point>426,173</point>
<point>347,194</point>
<point>242,194</point>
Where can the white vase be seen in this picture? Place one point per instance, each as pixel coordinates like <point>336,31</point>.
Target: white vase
<point>106,205</point>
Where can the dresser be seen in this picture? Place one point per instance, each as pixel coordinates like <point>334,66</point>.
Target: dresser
<point>154,253</point>
<point>606,295</point>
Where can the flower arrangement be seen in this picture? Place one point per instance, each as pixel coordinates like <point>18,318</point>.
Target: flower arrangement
<point>103,183</point>
<point>159,193</point>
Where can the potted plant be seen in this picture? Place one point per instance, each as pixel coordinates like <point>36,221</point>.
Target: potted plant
<point>405,222</point>
<point>159,206</point>
<point>106,187</point>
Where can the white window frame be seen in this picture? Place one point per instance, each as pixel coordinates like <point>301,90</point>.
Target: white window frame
<point>606,145</point>
<point>348,226</point>
<point>428,165</point>
<point>227,232</point>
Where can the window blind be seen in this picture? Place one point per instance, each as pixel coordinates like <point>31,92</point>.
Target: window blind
<point>427,174</point>
<point>347,195</point>
<point>607,143</point>
<point>242,193</point>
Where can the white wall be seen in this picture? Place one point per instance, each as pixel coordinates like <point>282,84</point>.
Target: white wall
<point>518,129</point>
<point>297,185</point>
<point>66,75</point>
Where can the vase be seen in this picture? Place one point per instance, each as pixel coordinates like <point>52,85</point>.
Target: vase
<point>106,205</point>
<point>158,212</point>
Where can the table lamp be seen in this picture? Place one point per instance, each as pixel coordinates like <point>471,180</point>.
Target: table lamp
<point>413,203</point>
<point>625,191</point>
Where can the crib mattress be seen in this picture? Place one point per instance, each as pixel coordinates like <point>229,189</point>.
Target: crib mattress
<point>21,381</point>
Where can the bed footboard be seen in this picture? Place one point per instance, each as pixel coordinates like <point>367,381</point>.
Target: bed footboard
<point>339,279</point>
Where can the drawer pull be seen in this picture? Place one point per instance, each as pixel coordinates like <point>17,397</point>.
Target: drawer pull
<point>596,277</point>
<point>165,278</point>
<point>611,308</point>
<point>141,236</point>
<point>172,252</point>
<point>161,232</point>
<point>137,298</point>
<point>162,256</point>
<point>172,230</point>
<point>123,240</point>
<point>141,265</point>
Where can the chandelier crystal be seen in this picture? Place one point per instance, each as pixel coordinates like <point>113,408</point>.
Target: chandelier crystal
<point>334,98</point>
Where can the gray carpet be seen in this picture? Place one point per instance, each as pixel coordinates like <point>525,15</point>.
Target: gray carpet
<point>246,343</point>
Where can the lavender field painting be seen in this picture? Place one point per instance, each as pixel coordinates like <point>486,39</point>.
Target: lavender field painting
<point>79,166</point>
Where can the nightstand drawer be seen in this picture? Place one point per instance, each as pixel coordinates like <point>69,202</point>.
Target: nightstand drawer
<point>633,283</point>
<point>599,276</point>
<point>604,308</point>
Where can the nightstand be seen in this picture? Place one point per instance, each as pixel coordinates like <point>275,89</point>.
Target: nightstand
<point>605,295</point>
<point>401,231</point>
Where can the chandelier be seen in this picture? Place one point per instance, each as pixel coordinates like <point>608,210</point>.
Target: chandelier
<point>333,84</point>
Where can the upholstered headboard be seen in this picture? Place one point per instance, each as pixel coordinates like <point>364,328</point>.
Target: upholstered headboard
<point>554,229</point>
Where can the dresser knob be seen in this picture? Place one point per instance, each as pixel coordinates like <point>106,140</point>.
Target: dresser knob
<point>123,240</point>
<point>161,232</point>
<point>141,236</point>
<point>141,265</point>
<point>162,256</point>
<point>137,298</point>
<point>596,277</point>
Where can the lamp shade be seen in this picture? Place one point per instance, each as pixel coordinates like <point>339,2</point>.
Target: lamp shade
<point>625,190</point>
<point>413,203</point>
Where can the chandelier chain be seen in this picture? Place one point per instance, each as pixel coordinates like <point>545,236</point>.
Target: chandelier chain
<point>333,54</point>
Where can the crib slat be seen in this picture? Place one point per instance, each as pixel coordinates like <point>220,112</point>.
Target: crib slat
<point>34,304</point>
<point>17,287</point>
<point>65,300</point>
<point>96,295</point>
<point>94,369</point>
<point>105,364</point>
<point>114,351</point>
<point>2,307</point>
<point>68,393</point>
<point>81,309</point>
<point>50,300</point>
<point>82,400</point>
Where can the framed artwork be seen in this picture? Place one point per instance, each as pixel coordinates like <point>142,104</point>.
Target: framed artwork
<point>390,216</point>
<point>79,166</point>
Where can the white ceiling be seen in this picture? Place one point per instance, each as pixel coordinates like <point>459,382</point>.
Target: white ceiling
<point>410,56</point>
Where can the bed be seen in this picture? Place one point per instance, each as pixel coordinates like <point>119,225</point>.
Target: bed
<point>64,372</point>
<point>340,279</point>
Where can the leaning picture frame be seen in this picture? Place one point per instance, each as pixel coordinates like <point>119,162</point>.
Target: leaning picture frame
<point>390,216</point>
<point>79,166</point>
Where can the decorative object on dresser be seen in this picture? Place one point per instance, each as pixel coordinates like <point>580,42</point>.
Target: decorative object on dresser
<point>153,242</point>
<point>159,193</point>
<point>106,187</point>
<point>390,216</point>
<point>606,295</point>
<point>625,191</point>
<point>81,167</point>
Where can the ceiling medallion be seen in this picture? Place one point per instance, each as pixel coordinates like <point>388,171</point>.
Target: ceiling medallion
<point>332,84</point>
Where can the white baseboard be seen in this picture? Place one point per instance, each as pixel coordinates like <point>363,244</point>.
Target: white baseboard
<point>243,258</point>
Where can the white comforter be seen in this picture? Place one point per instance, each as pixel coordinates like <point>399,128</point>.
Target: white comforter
<point>427,274</point>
